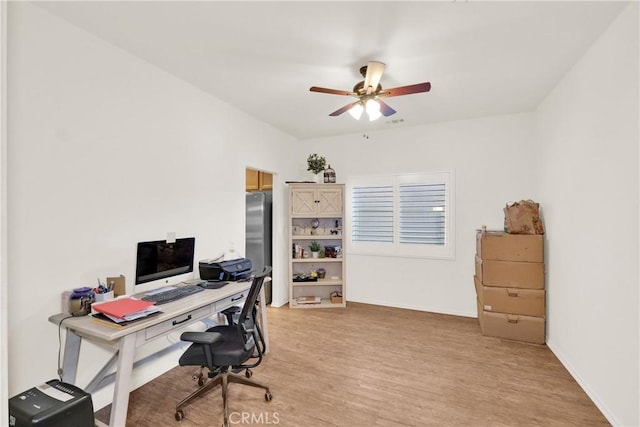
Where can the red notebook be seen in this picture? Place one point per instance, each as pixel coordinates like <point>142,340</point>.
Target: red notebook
<point>122,306</point>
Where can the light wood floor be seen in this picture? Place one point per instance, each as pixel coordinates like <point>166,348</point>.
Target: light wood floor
<point>376,366</point>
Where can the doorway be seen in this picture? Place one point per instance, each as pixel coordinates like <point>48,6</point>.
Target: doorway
<point>258,222</point>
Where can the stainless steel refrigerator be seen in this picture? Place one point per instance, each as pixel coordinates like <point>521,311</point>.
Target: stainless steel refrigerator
<point>258,233</point>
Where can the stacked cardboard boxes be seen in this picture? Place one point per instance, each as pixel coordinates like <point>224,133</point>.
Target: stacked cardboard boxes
<point>509,285</point>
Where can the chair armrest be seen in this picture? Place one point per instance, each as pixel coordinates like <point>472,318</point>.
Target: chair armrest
<point>231,310</point>
<point>201,337</point>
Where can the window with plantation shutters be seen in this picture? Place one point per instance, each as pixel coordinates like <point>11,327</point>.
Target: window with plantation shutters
<point>402,215</point>
<point>422,215</point>
<point>372,219</point>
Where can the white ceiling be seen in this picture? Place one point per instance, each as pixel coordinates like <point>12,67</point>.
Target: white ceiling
<point>482,58</point>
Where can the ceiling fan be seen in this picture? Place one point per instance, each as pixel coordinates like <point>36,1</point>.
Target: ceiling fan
<point>369,93</point>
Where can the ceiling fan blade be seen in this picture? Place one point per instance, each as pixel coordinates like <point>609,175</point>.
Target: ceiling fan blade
<point>406,90</point>
<point>343,109</point>
<point>331,91</point>
<point>385,109</point>
<point>374,73</point>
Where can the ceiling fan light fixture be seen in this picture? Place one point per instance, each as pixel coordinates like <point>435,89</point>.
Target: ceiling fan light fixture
<point>356,111</point>
<point>373,110</point>
<point>375,115</point>
<point>369,93</point>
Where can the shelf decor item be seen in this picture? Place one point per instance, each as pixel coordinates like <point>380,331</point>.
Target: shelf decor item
<point>336,297</point>
<point>316,164</point>
<point>315,223</point>
<point>329,175</point>
<point>315,249</point>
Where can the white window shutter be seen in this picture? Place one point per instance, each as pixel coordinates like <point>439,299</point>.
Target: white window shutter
<point>372,210</point>
<point>422,215</point>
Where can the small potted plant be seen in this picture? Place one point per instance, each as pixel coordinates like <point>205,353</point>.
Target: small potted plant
<point>315,248</point>
<point>316,164</point>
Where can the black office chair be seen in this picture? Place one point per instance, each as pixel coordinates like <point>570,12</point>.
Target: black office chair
<point>226,350</point>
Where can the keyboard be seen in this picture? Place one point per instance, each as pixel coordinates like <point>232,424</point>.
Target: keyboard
<point>172,294</point>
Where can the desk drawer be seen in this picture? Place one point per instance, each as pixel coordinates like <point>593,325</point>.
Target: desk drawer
<point>177,322</point>
<point>236,299</point>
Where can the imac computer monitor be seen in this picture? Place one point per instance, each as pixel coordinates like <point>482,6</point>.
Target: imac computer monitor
<point>159,263</point>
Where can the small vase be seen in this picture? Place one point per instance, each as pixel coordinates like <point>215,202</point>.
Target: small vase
<point>315,254</point>
<point>318,177</point>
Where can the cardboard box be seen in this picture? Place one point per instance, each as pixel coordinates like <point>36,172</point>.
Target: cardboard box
<point>510,274</point>
<point>512,326</point>
<point>500,246</point>
<point>529,302</point>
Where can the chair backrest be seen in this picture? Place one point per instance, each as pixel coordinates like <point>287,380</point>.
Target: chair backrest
<point>246,322</point>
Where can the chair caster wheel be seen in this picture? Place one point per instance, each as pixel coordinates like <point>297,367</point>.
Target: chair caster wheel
<point>268,396</point>
<point>179,415</point>
<point>199,378</point>
<point>248,373</point>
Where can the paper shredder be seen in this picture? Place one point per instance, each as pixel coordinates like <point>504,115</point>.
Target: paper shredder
<point>52,404</point>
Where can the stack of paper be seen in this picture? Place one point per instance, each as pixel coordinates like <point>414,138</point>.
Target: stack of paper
<point>122,311</point>
<point>308,300</point>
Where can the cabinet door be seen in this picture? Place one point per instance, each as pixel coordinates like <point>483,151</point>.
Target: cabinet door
<point>330,201</point>
<point>303,201</point>
<point>266,181</point>
<point>252,180</point>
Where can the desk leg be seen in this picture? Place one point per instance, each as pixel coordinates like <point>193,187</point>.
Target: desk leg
<point>95,382</point>
<point>263,320</point>
<point>120,404</point>
<point>70,357</point>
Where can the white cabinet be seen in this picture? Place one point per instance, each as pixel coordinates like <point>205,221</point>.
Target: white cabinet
<point>316,215</point>
<point>321,200</point>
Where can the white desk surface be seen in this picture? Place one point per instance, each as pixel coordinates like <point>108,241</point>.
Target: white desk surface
<point>85,326</point>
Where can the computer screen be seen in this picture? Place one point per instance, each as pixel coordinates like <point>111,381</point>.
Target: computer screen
<point>161,263</point>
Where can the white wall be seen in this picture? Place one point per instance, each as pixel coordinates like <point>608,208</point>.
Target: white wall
<point>4,334</point>
<point>492,160</point>
<point>587,137</point>
<point>104,151</point>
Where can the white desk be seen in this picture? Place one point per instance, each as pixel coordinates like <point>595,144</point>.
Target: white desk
<point>174,316</point>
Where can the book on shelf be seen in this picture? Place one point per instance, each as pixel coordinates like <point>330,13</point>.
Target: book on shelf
<point>308,300</point>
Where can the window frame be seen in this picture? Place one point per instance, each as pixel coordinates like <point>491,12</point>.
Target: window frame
<point>395,248</point>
